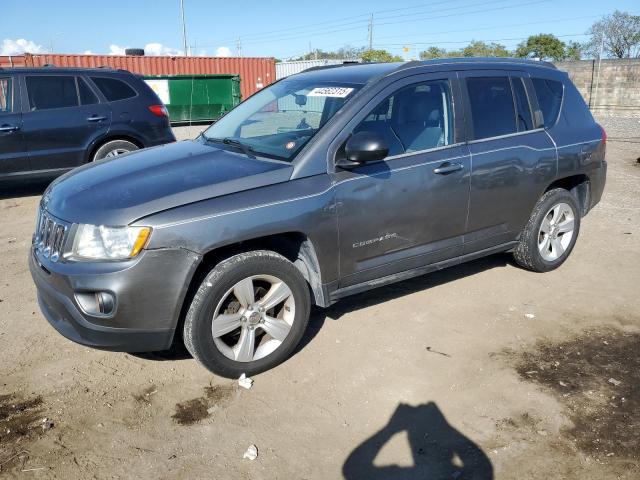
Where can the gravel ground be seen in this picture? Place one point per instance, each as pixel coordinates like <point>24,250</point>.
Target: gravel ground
<point>476,372</point>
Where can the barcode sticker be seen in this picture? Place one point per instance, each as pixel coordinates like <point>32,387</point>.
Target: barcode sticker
<point>338,92</point>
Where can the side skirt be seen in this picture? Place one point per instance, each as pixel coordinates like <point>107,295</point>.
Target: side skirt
<point>335,295</point>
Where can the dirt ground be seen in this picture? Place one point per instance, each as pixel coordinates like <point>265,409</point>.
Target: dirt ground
<point>477,372</point>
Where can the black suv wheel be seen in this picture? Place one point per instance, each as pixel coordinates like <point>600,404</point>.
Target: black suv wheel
<point>248,314</point>
<point>113,149</point>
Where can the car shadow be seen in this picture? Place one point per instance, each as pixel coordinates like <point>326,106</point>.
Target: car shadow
<point>356,302</point>
<point>396,290</point>
<point>29,188</point>
<point>439,451</point>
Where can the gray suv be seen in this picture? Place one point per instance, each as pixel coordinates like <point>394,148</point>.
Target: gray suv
<point>323,185</point>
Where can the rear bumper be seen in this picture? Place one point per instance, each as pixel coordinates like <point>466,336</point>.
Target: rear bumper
<point>598,179</point>
<point>148,294</point>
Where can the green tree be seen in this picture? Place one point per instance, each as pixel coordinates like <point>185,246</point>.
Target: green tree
<point>481,49</point>
<point>621,34</point>
<point>433,52</point>
<point>573,51</point>
<point>544,46</point>
<point>380,56</point>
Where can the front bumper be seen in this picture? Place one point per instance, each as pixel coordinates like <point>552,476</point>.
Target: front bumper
<point>149,292</point>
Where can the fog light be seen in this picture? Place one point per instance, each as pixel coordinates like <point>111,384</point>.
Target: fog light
<point>98,304</point>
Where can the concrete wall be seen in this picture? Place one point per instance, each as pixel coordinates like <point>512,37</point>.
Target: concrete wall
<point>616,92</point>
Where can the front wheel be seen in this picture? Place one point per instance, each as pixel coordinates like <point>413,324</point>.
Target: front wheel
<point>551,232</point>
<point>248,315</point>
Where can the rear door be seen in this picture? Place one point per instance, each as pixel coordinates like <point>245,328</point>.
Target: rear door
<point>13,152</point>
<point>62,119</point>
<point>513,158</point>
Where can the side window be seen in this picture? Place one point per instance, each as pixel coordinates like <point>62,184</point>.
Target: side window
<point>523,110</point>
<point>416,117</point>
<point>87,97</point>
<point>55,91</point>
<point>113,89</point>
<point>6,97</point>
<point>549,93</point>
<point>492,108</point>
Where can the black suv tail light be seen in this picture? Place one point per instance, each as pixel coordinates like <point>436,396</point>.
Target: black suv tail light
<point>159,110</point>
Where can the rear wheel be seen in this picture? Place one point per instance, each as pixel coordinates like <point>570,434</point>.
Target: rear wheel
<point>248,315</point>
<point>551,232</point>
<point>113,149</point>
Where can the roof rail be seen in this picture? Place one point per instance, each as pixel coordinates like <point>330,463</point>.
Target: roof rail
<point>326,67</point>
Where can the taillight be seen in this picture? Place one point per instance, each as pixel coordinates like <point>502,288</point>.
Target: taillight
<point>159,110</point>
<point>604,134</point>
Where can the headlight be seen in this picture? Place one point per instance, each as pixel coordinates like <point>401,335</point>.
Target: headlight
<point>97,242</point>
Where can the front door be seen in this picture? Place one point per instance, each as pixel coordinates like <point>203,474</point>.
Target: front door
<point>13,152</point>
<point>63,116</point>
<point>410,209</point>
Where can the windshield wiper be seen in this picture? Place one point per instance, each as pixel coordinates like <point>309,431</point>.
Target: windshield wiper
<point>234,142</point>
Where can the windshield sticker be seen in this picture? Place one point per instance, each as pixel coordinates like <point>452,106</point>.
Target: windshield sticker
<point>337,92</point>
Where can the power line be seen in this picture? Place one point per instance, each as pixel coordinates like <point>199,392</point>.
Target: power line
<point>472,40</point>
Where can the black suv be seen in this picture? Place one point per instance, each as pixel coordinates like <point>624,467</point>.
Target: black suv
<point>54,119</point>
<point>325,184</point>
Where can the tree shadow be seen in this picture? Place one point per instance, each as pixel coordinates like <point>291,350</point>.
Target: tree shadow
<point>439,451</point>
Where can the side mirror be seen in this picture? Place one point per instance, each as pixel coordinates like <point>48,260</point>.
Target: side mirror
<point>365,147</point>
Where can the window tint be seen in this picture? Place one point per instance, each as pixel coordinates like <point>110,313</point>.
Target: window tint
<point>6,98</point>
<point>47,92</point>
<point>491,104</point>
<point>414,118</point>
<point>113,89</point>
<point>549,93</point>
<point>87,97</point>
<point>522,105</point>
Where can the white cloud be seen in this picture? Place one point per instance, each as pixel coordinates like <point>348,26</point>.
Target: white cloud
<point>157,49</point>
<point>153,49</point>
<point>88,52</point>
<point>116,49</point>
<point>223,52</point>
<point>19,46</point>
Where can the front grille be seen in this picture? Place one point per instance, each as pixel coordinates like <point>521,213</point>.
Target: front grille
<point>51,235</point>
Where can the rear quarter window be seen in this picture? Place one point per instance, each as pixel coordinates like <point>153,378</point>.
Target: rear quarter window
<point>549,93</point>
<point>114,89</point>
<point>5,95</point>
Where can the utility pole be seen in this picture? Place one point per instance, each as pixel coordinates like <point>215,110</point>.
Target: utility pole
<point>184,30</point>
<point>371,32</point>
<point>239,47</point>
<point>595,95</point>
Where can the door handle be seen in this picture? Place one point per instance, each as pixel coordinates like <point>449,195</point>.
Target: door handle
<point>95,118</point>
<point>447,167</point>
<point>8,128</point>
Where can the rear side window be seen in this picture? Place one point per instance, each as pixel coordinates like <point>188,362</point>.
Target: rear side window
<point>6,103</point>
<point>414,118</point>
<point>113,89</point>
<point>549,93</point>
<point>46,92</point>
<point>87,97</point>
<point>492,106</point>
<point>523,110</point>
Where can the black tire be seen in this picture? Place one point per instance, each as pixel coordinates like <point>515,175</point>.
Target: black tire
<point>137,52</point>
<point>197,334</point>
<point>527,254</point>
<point>113,146</point>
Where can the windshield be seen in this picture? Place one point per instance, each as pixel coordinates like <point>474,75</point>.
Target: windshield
<point>279,120</point>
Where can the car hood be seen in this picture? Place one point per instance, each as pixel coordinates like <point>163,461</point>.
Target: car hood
<point>121,190</point>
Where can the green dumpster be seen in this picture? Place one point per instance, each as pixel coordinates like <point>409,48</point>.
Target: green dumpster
<point>196,98</point>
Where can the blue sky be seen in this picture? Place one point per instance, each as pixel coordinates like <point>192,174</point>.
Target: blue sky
<point>286,28</point>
